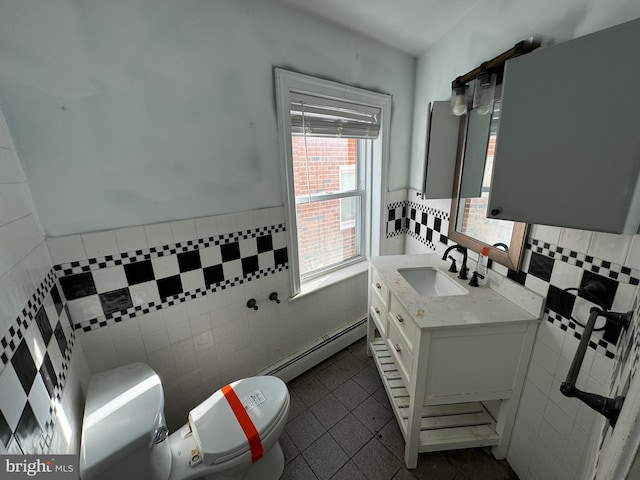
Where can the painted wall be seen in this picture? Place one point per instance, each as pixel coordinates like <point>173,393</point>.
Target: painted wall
<point>492,27</point>
<point>42,373</point>
<point>135,112</point>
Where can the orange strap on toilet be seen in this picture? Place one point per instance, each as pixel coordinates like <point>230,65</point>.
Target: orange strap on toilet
<point>245,422</point>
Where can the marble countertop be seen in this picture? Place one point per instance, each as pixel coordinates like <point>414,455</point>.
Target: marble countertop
<point>480,306</point>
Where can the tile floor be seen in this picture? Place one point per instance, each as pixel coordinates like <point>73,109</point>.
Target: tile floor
<point>341,426</point>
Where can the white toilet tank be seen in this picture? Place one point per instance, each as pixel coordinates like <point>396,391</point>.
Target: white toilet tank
<point>124,428</point>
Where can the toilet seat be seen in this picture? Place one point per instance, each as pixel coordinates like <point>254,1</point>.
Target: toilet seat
<point>216,429</point>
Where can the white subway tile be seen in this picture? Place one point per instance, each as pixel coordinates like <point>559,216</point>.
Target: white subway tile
<point>545,233</point>
<point>192,280</point>
<point>277,215</point>
<point>143,293</point>
<point>576,240</point>
<point>151,322</point>
<point>159,234</point>
<point>178,331</point>
<point>633,257</point>
<point>85,308</point>
<point>66,249</point>
<point>609,246</point>
<point>565,275</point>
<point>183,230</point>
<point>262,217</point>
<point>197,307</point>
<point>155,340</point>
<point>131,239</point>
<point>206,227</point>
<point>601,369</point>
<point>546,358</point>
<point>557,417</point>
<point>130,350</point>
<point>166,266</point>
<point>122,331</point>
<point>211,256</point>
<point>100,244</point>
<point>102,359</point>
<point>176,314</point>
<point>227,223</point>
<point>108,279</point>
<point>12,396</point>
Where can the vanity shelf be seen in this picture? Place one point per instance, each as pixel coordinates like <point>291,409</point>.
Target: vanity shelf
<point>453,364</point>
<point>442,427</point>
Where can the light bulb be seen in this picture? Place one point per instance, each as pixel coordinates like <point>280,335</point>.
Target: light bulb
<point>459,100</point>
<point>484,92</point>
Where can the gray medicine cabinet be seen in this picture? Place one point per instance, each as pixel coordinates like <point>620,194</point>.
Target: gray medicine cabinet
<point>440,151</point>
<point>568,153</point>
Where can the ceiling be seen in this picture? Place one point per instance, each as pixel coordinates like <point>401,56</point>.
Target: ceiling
<point>409,25</point>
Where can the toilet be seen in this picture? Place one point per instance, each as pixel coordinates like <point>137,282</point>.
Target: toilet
<point>232,435</point>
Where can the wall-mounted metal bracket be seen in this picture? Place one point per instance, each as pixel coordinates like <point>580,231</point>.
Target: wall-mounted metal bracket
<point>609,407</point>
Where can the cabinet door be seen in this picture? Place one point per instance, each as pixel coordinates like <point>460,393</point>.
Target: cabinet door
<point>568,152</point>
<point>440,151</point>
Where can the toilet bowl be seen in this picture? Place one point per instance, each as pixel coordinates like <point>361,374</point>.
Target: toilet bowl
<point>232,435</point>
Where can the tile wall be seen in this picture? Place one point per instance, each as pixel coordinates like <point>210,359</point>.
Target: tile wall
<point>42,375</point>
<point>552,433</point>
<point>174,296</point>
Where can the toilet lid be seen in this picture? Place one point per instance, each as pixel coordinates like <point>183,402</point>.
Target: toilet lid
<point>218,432</point>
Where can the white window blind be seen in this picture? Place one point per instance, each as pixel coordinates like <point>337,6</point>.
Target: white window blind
<point>324,117</point>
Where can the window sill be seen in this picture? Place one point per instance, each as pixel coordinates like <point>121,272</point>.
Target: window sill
<point>332,278</point>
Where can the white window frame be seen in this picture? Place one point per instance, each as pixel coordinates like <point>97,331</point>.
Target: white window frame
<point>350,169</point>
<point>376,183</point>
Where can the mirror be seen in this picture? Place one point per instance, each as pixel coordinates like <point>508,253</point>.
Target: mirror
<point>469,225</point>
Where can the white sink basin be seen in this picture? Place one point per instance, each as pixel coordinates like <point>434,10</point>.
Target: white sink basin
<point>431,282</point>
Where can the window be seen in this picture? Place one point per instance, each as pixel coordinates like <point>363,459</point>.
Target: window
<point>334,146</point>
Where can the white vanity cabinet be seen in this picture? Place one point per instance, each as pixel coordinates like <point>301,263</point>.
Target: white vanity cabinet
<point>568,148</point>
<point>440,358</point>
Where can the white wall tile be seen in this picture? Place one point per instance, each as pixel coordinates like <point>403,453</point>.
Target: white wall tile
<point>17,239</point>
<point>102,359</point>
<point>633,257</point>
<point>85,308</point>
<point>144,293</point>
<point>576,240</point>
<point>130,350</point>
<point>227,223</point>
<point>565,275</point>
<point>609,246</point>
<point>108,279</point>
<point>192,280</point>
<point>66,249</point>
<point>155,340</point>
<point>12,396</point>
<point>100,244</point>
<point>262,218</point>
<point>122,331</point>
<point>206,227</point>
<point>14,202</point>
<point>165,266</point>
<point>131,239</point>
<point>151,322</point>
<point>159,234</point>
<point>183,230</point>
<point>545,233</point>
<point>245,221</point>
<point>96,340</point>
<point>179,331</point>
<point>176,313</point>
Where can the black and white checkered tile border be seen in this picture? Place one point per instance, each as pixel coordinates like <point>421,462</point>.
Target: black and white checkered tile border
<point>15,335</point>
<point>569,326</point>
<point>82,266</point>
<point>16,332</point>
<point>116,317</point>
<point>401,223</point>
<point>605,268</point>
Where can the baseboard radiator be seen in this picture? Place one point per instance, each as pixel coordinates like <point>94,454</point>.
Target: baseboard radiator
<point>317,352</point>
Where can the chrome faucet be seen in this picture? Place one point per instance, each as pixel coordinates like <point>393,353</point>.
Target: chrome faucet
<point>463,268</point>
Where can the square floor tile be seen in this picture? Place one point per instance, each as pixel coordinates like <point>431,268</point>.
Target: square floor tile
<point>325,457</point>
<point>298,470</point>
<point>350,434</point>
<point>310,391</point>
<point>350,394</point>
<point>376,462</point>
<point>372,414</point>
<point>304,430</point>
<point>332,377</point>
<point>329,410</point>
<point>349,471</point>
